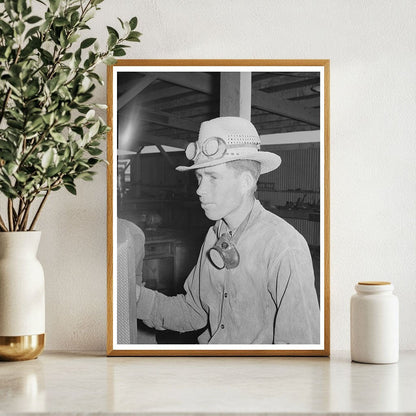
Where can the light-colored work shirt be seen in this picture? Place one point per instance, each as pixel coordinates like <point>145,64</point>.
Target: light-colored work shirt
<point>269,298</point>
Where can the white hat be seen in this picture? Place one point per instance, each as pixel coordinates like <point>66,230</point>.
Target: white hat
<point>225,139</point>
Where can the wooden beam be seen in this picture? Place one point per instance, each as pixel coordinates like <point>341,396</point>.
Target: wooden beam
<point>125,98</point>
<point>273,103</point>
<point>308,102</point>
<point>162,118</point>
<point>164,94</point>
<point>274,85</point>
<point>150,140</point>
<point>235,95</point>
<point>190,103</point>
<point>197,81</point>
<point>167,119</point>
<point>166,156</point>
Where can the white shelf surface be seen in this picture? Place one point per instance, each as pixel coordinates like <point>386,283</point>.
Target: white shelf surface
<point>89,383</point>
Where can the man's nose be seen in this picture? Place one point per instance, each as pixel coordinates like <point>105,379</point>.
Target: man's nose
<point>201,189</point>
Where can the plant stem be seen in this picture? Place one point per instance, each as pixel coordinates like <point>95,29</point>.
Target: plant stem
<point>26,216</point>
<point>3,108</point>
<point>37,144</point>
<point>10,213</point>
<point>2,224</point>
<point>39,209</point>
<point>20,213</point>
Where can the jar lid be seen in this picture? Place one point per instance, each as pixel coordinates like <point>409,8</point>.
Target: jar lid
<point>374,283</point>
<point>370,287</point>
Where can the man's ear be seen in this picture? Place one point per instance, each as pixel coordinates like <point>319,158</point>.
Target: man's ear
<point>247,181</point>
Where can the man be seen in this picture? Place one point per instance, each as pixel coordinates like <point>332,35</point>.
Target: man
<point>253,282</point>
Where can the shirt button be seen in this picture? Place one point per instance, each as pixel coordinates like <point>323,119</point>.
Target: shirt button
<point>225,295</point>
<point>222,326</point>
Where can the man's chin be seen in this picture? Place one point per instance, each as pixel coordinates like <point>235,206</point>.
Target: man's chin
<point>211,215</point>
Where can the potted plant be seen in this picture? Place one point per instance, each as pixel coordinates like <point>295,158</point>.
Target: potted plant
<point>50,137</point>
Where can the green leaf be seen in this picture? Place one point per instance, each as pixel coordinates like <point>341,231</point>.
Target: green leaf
<point>4,145</point>
<point>67,56</point>
<point>70,188</point>
<point>110,60</point>
<point>133,38</point>
<point>10,7</point>
<point>87,42</point>
<point>6,29</point>
<point>119,52</point>
<point>82,98</point>
<point>73,38</point>
<point>63,41</point>
<point>61,21</point>
<point>58,137</point>
<point>112,41</point>
<point>47,158</point>
<point>35,125</point>
<point>33,19</point>
<point>54,4</point>
<point>90,115</point>
<point>32,31</point>
<point>21,177</point>
<point>16,124</point>
<point>94,129</point>
<point>53,83</point>
<point>21,5</point>
<point>8,191</point>
<point>67,153</point>
<point>20,28</point>
<point>11,168</point>
<point>123,24</point>
<point>52,171</point>
<point>46,56</point>
<point>27,11</point>
<point>82,166</point>
<point>133,23</point>
<point>88,16</point>
<point>96,77</point>
<point>92,161</point>
<point>31,90</point>
<point>86,176</point>
<point>27,52</point>
<point>78,154</point>
<point>48,118</point>
<point>94,151</point>
<point>135,33</point>
<point>112,31</point>
<point>74,18</point>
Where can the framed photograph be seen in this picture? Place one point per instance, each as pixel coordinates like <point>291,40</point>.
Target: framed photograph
<point>218,208</point>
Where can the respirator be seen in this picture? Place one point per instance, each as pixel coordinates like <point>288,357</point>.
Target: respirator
<point>224,253</point>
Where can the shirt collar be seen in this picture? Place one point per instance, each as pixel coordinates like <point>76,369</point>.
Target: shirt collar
<point>256,210</point>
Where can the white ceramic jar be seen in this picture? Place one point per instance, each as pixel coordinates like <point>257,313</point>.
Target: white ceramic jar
<point>374,323</point>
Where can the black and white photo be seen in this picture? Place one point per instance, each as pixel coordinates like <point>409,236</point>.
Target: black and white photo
<point>218,217</point>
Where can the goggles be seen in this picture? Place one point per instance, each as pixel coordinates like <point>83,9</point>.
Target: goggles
<point>214,148</point>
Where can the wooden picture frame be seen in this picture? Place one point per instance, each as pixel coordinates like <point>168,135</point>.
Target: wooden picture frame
<point>161,103</point>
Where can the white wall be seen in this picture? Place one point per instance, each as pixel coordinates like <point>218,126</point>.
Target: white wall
<point>371,45</point>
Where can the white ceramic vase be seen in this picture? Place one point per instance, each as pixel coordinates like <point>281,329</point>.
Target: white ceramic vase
<point>22,296</point>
